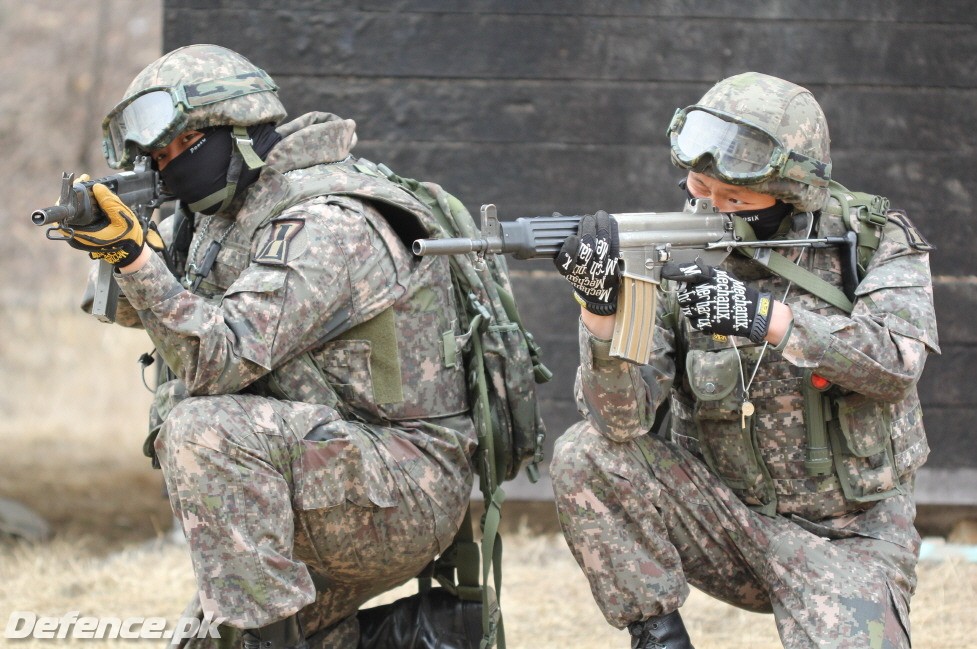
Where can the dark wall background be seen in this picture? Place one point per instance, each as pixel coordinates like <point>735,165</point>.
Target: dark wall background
<point>542,106</point>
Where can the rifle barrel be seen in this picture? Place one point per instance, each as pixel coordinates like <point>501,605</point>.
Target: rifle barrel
<point>53,214</point>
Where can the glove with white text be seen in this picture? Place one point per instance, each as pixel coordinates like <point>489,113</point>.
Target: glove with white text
<point>716,302</point>
<point>588,260</point>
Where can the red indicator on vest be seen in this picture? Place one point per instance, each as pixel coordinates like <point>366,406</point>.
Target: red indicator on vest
<point>818,382</point>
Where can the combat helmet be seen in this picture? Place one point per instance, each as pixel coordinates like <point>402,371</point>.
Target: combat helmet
<point>193,87</point>
<point>760,132</point>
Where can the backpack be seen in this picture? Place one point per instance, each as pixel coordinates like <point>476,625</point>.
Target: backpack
<point>502,363</point>
<point>500,358</point>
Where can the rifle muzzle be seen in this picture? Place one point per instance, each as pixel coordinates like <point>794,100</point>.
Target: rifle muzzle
<point>54,214</point>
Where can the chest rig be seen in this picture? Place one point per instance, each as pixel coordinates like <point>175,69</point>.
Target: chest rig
<point>810,448</point>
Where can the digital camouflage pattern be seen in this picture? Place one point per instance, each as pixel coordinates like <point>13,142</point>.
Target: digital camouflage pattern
<point>307,475</point>
<point>644,516</point>
<point>645,519</point>
<point>219,87</point>
<point>286,506</point>
<point>793,116</point>
<point>223,87</point>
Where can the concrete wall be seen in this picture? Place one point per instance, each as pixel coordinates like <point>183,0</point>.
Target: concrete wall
<point>542,106</point>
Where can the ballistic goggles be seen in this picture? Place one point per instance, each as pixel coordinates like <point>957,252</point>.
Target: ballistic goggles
<point>740,153</point>
<point>151,118</point>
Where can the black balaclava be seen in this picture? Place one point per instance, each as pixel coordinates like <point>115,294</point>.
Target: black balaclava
<point>765,222</point>
<point>202,169</point>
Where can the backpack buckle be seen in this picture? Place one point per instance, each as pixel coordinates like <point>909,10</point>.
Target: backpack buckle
<point>876,211</point>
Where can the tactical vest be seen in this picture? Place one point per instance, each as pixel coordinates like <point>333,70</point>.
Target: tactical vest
<point>378,370</point>
<point>870,450</point>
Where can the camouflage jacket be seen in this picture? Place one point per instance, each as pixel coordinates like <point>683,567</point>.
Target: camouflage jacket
<point>319,303</point>
<point>872,357</point>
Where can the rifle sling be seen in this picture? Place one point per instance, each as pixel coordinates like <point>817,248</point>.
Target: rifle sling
<point>807,280</point>
<point>782,266</point>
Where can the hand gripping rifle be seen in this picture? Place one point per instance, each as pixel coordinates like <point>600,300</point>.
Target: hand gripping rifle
<point>139,189</point>
<point>647,241</point>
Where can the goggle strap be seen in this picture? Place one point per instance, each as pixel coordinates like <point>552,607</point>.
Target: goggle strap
<point>210,92</point>
<point>805,169</point>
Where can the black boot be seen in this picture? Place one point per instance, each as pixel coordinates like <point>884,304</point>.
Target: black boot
<point>660,632</point>
<point>283,634</point>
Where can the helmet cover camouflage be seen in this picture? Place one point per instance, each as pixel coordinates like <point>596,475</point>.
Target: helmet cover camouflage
<point>790,114</point>
<point>195,65</point>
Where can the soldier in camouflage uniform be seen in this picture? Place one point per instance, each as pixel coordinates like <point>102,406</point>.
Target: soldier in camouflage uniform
<point>316,445</point>
<point>738,497</point>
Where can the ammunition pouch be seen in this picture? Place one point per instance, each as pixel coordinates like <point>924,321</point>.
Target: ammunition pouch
<point>862,447</point>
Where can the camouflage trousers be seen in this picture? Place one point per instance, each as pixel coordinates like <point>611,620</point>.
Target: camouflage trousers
<point>288,508</point>
<point>644,523</point>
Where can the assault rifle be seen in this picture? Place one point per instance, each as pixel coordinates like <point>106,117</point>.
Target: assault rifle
<point>140,189</point>
<point>647,241</point>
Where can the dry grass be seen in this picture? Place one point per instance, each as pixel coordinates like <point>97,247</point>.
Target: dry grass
<point>73,411</point>
<point>546,599</point>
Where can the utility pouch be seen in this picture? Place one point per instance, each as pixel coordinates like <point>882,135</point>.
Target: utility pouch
<point>862,447</point>
<point>714,377</point>
<point>726,437</point>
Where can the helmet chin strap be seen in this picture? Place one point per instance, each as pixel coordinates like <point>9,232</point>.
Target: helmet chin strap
<point>242,153</point>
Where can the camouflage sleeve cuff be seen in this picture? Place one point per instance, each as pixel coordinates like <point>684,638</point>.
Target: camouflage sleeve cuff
<point>785,340</point>
<point>807,340</point>
<point>613,391</point>
<point>150,285</point>
<point>600,349</point>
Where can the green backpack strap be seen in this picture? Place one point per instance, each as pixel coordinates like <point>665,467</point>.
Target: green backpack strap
<point>864,214</point>
<point>472,569</point>
<point>492,496</point>
<point>462,569</point>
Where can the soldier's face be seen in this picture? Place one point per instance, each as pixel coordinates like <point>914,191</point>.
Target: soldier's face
<point>727,198</point>
<point>180,143</point>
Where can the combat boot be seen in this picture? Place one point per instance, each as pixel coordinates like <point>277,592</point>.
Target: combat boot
<point>660,632</point>
<point>283,634</point>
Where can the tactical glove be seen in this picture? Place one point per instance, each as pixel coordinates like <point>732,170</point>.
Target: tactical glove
<point>588,260</point>
<point>117,239</point>
<point>716,302</point>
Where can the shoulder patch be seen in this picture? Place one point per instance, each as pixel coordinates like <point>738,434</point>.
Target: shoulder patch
<point>278,246</point>
<point>913,236</point>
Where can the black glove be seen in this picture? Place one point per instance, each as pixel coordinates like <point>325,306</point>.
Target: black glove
<point>588,260</point>
<point>716,302</point>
